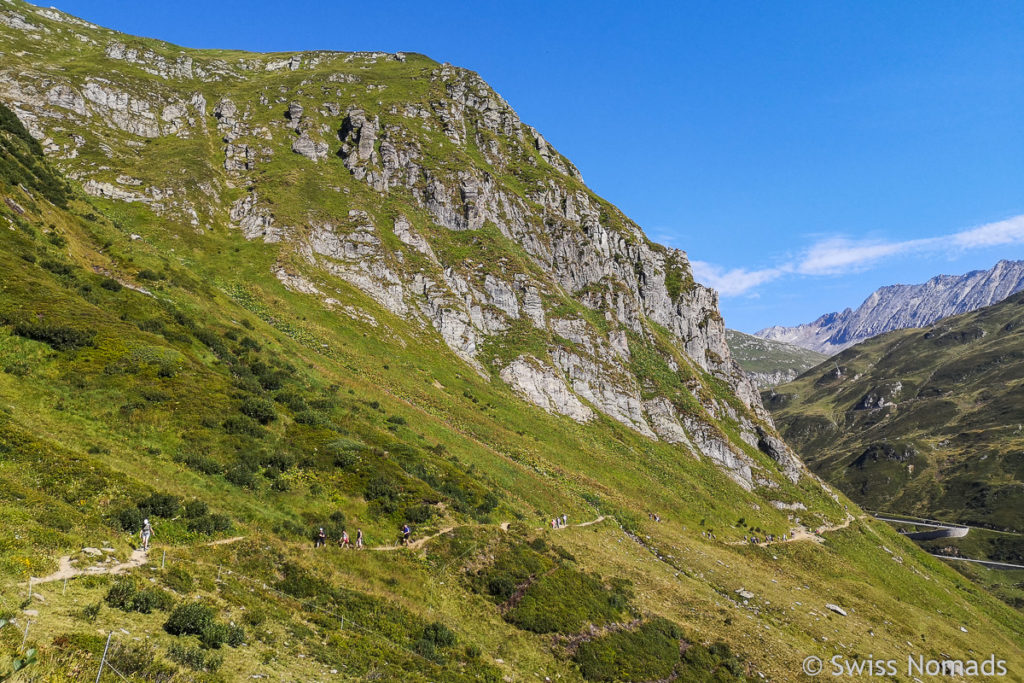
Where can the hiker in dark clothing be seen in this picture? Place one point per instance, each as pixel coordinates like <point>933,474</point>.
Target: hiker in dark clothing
<point>321,538</point>
<point>406,533</point>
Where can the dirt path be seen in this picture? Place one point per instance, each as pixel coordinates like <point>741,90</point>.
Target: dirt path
<point>138,558</point>
<point>582,524</point>
<point>802,533</point>
<point>224,541</point>
<point>418,543</point>
<point>67,571</point>
<point>504,526</point>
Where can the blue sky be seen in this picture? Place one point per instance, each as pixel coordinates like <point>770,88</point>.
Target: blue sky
<point>803,154</point>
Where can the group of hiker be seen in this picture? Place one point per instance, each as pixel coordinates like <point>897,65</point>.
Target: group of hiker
<point>560,522</point>
<point>768,538</point>
<point>343,541</point>
<point>654,516</point>
<point>320,539</point>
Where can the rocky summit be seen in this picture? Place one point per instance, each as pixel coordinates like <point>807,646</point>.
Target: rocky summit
<point>897,307</point>
<point>326,366</point>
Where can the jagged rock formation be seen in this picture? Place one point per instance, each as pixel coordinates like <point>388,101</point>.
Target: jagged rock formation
<point>437,203</point>
<point>901,306</point>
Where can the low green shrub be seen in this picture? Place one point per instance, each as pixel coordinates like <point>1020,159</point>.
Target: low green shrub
<point>292,401</point>
<point>241,424</point>
<point>209,524</point>
<point>564,601</point>
<point>214,635</point>
<point>126,596</point>
<point>382,486</point>
<point>191,618</point>
<point>236,636</point>
<point>259,409</point>
<point>241,475</point>
<point>418,514</point>
<point>716,663</point>
<point>196,508</point>
<point>139,660</point>
<point>501,586</point>
<point>311,418</point>
<point>425,648</point>
<point>56,267</point>
<point>163,505</point>
<point>128,519</point>
<point>439,634</point>
<point>59,337</point>
<point>90,612</point>
<point>649,652</point>
<point>202,463</point>
<point>195,658</point>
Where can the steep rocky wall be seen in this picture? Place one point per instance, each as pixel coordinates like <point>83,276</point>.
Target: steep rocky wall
<point>451,160</point>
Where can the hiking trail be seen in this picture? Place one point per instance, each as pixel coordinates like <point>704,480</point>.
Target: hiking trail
<point>504,526</point>
<point>138,558</point>
<point>802,533</point>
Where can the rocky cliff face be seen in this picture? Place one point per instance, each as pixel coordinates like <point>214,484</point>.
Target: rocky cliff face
<point>901,306</point>
<point>416,185</point>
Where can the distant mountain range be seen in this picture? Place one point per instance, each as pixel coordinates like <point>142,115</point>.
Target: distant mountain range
<point>898,307</point>
<point>925,422</point>
<point>770,363</point>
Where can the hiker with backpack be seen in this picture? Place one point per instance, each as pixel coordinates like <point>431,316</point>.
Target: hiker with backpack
<point>345,542</point>
<point>321,538</point>
<point>145,533</point>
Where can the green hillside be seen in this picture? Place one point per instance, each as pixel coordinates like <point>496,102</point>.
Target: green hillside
<point>924,422</point>
<point>770,363</point>
<point>247,296</point>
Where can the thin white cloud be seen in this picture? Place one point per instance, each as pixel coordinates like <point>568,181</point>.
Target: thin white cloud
<point>733,282</point>
<point>1010,231</point>
<point>840,255</point>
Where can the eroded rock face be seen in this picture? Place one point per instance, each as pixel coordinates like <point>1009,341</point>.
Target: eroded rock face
<point>254,221</point>
<point>543,387</point>
<point>717,448</point>
<point>309,148</point>
<point>457,166</point>
<point>777,450</point>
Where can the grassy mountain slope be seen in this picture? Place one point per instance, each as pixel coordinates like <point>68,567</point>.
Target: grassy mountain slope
<point>155,366</point>
<point>924,422</point>
<point>770,363</point>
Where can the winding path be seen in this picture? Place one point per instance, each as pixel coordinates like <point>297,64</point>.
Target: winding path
<point>138,558</point>
<point>802,533</point>
<point>504,526</point>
